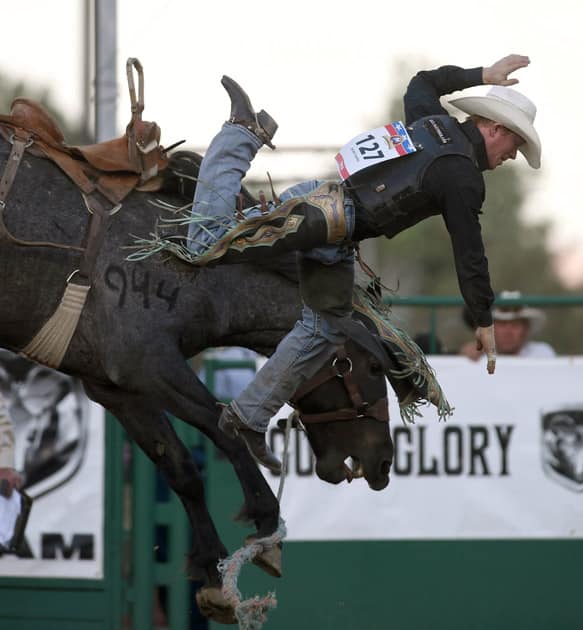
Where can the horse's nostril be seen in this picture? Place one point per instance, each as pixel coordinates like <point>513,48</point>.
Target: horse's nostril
<point>386,467</point>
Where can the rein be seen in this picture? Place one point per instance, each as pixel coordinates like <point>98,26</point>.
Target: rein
<point>341,367</point>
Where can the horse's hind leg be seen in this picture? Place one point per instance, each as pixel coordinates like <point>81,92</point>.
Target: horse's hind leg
<point>149,427</point>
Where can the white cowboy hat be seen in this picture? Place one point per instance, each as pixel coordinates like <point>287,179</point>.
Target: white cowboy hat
<point>534,316</point>
<point>511,109</point>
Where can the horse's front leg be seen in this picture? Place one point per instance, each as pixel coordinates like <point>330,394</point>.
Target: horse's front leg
<point>149,427</point>
<point>181,396</point>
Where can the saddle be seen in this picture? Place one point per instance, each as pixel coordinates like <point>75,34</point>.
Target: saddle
<point>105,173</point>
<point>112,168</point>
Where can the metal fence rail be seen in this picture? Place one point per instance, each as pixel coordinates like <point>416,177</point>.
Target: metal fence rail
<point>434,303</point>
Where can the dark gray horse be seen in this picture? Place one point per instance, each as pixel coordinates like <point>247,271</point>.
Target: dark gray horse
<point>139,324</point>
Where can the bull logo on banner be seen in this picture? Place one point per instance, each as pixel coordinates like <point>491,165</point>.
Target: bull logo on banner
<point>562,448</point>
<point>49,411</point>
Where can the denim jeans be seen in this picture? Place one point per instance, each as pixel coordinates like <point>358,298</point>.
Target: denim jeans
<point>311,342</point>
<point>225,164</point>
<point>299,355</point>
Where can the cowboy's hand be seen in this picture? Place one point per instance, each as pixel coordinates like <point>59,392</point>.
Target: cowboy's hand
<point>497,73</point>
<point>485,341</point>
<point>9,479</point>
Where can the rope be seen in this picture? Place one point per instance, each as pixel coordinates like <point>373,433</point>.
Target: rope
<point>251,613</point>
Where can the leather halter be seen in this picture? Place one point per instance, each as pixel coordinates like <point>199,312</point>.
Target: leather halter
<point>360,408</point>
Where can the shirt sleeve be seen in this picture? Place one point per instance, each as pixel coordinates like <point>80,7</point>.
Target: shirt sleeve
<point>425,88</point>
<point>458,189</point>
<point>6,437</point>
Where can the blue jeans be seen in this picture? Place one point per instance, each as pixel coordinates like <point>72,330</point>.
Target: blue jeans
<point>311,342</point>
<point>225,164</point>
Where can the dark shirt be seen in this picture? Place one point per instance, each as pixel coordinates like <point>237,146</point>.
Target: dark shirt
<point>457,185</point>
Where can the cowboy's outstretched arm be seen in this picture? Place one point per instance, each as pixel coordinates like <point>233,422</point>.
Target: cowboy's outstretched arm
<point>425,88</point>
<point>497,73</point>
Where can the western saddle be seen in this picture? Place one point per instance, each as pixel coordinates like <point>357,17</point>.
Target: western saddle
<point>110,169</point>
<point>105,173</point>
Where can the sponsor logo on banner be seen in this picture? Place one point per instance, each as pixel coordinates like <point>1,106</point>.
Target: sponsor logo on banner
<point>562,446</point>
<point>58,453</point>
<point>472,450</point>
<point>47,409</point>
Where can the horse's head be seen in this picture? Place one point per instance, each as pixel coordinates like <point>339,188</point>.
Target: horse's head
<point>345,413</point>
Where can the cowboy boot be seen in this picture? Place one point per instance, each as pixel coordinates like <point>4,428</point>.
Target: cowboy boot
<point>261,124</point>
<point>232,425</point>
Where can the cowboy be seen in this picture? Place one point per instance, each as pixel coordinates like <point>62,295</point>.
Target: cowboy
<point>9,478</point>
<point>442,176</point>
<point>514,327</point>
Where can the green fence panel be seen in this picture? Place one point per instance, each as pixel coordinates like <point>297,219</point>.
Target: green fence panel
<point>75,604</point>
<point>149,513</point>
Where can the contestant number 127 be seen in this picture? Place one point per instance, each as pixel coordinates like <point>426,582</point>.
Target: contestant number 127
<point>369,152</point>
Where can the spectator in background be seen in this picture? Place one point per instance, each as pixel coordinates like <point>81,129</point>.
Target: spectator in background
<point>514,327</point>
<point>9,478</point>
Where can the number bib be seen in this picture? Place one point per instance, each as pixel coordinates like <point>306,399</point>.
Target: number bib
<point>373,147</point>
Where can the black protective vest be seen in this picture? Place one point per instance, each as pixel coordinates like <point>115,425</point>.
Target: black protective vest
<point>388,196</point>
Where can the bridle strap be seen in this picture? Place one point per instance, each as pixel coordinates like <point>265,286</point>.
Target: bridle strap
<point>351,387</point>
<point>323,376</point>
<point>359,409</point>
<point>379,411</point>
<point>327,374</point>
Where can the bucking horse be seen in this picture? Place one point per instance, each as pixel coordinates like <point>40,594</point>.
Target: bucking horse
<point>137,323</point>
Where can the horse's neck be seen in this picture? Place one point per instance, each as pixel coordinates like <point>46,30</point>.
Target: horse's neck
<point>248,306</point>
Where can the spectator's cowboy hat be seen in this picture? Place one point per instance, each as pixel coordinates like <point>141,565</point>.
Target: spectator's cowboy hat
<point>511,312</point>
<point>511,109</point>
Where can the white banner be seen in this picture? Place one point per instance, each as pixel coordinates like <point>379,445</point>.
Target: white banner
<point>60,453</point>
<point>508,464</point>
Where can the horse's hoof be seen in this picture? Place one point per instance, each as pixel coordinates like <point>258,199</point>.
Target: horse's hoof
<point>268,560</point>
<point>213,605</point>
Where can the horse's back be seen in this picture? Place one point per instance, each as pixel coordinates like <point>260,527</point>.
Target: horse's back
<point>156,303</point>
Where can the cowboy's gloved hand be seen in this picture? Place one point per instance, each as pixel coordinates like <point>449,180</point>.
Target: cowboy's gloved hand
<point>497,73</point>
<point>485,341</point>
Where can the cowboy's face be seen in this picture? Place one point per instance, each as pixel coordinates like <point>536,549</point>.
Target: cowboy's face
<point>501,144</point>
<point>510,335</point>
